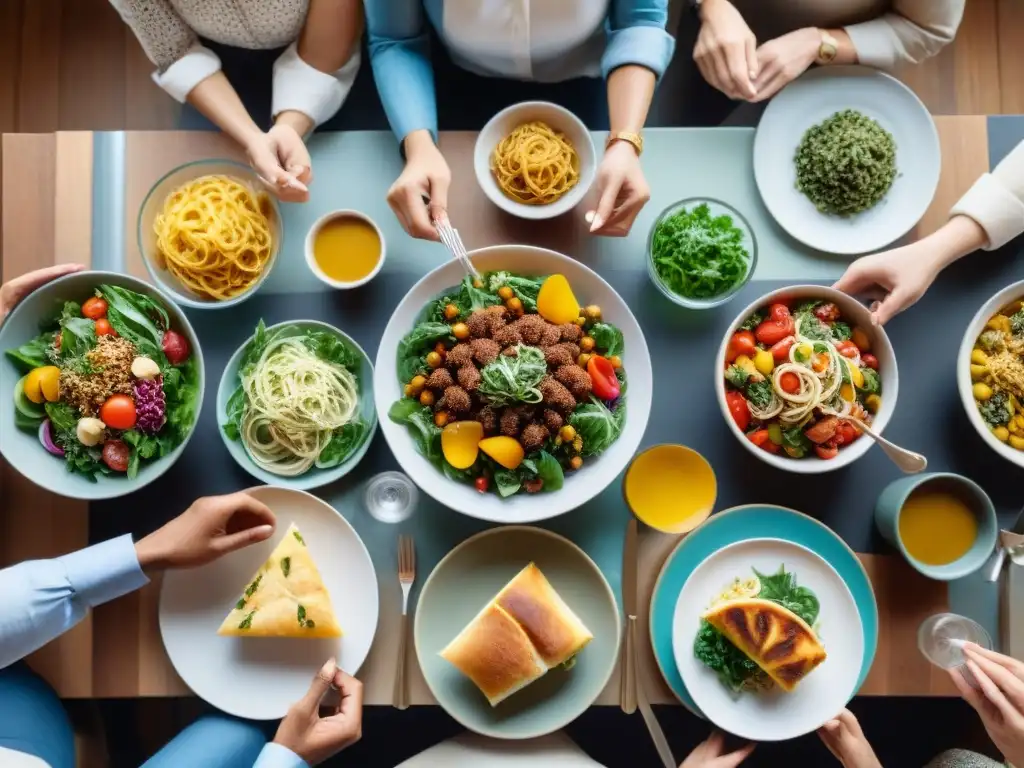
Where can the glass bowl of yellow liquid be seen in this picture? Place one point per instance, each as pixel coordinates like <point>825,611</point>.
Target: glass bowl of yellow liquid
<point>345,249</point>
<point>944,524</point>
<point>671,488</point>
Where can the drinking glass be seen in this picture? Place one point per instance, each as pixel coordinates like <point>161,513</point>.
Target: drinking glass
<point>391,497</point>
<point>941,640</point>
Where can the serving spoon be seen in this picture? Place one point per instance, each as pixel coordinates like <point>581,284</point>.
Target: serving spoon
<point>910,462</point>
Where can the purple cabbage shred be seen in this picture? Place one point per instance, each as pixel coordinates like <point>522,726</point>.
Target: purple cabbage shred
<point>150,405</point>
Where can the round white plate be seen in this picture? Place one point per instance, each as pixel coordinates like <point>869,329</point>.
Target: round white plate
<point>259,678</point>
<point>810,100</point>
<point>772,715</point>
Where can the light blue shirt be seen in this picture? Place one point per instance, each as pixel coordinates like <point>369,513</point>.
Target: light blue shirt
<point>43,599</point>
<point>541,40</point>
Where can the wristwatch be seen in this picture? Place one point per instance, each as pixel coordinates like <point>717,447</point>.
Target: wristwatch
<point>828,49</point>
<point>629,137</point>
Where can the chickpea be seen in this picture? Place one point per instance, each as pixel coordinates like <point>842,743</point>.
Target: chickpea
<point>1019,421</point>
<point>978,372</point>
<point>506,293</point>
<point>441,418</point>
<point>982,391</point>
<point>558,440</point>
<point>577,444</point>
<point>978,356</point>
<point>580,321</point>
<point>450,312</point>
<point>515,304</point>
<point>478,283</point>
<point>567,433</point>
<point>583,359</point>
<point>434,359</point>
<point>1012,427</point>
<point>873,403</point>
<point>593,313</point>
<point>587,344</point>
<point>616,361</point>
<point>410,392</point>
<point>1017,442</point>
<point>426,397</point>
<point>460,331</point>
<point>1001,433</point>
<point>418,383</point>
<point>441,349</point>
<point>576,462</point>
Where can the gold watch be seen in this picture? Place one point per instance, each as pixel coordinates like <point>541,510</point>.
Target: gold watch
<point>630,138</point>
<point>828,49</point>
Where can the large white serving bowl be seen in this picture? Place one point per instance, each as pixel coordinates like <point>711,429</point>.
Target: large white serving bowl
<point>1008,295</point>
<point>560,119</point>
<point>810,100</point>
<point>580,486</point>
<point>772,715</point>
<point>857,315</point>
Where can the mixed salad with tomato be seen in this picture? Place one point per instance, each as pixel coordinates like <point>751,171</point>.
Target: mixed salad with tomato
<point>107,384</point>
<point>793,372</point>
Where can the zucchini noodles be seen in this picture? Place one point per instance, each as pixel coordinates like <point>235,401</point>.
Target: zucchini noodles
<point>295,402</point>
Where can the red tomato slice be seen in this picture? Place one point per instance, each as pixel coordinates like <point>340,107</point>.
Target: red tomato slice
<point>762,440</point>
<point>789,382</point>
<point>780,350</point>
<point>739,410</point>
<point>771,332</point>
<point>742,343</point>
<point>869,360</point>
<point>826,451</point>
<point>604,382</point>
<point>847,349</point>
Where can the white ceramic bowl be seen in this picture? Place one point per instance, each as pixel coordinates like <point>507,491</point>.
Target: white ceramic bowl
<point>580,486</point>
<point>963,369</point>
<point>314,267</point>
<point>560,119</point>
<point>153,204</point>
<point>857,315</point>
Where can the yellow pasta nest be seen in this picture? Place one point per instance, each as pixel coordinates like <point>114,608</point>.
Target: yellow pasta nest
<point>535,165</point>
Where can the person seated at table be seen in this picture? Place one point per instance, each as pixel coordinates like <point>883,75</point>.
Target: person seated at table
<point>751,49</point>
<point>312,77</point>
<point>989,216</point>
<point>530,40</point>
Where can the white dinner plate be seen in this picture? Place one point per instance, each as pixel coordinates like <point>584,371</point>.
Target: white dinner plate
<point>772,715</point>
<point>259,678</point>
<point>811,99</point>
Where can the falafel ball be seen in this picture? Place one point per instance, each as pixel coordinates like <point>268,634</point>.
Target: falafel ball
<point>555,395</point>
<point>457,399</point>
<point>531,328</point>
<point>507,336</point>
<point>510,351</point>
<point>576,380</point>
<point>488,417</point>
<point>469,377</point>
<point>479,324</point>
<point>534,436</point>
<point>441,378</point>
<point>561,354</point>
<point>571,332</point>
<point>499,314</point>
<point>551,336</point>
<point>459,355</point>
<point>509,422</point>
<point>485,351</point>
<point>553,420</point>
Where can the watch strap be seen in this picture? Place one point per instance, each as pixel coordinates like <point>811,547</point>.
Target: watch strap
<point>629,137</point>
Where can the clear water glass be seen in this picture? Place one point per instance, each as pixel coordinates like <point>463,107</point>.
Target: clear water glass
<point>391,497</point>
<point>941,640</point>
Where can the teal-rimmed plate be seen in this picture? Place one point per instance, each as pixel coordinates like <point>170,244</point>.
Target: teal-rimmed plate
<point>754,521</point>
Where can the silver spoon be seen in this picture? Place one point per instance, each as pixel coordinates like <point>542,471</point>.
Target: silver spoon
<point>911,463</point>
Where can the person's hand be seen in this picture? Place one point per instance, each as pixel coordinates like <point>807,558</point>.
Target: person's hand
<point>710,754</point>
<point>315,738</point>
<point>17,288</point>
<point>1000,702</point>
<point>784,59</point>
<point>621,189</point>
<point>426,178</point>
<point>281,160</point>
<point>726,50</point>
<point>902,274</point>
<point>845,739</point>
<point>211,527</point>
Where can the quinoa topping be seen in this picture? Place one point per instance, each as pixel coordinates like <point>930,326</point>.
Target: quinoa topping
<point>110,362</point>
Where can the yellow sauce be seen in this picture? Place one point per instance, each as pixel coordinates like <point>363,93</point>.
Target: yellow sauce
<point>671,488</point>
<point>936,527</point>
<point>347,249</point>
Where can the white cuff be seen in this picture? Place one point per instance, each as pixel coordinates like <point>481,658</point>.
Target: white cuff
<point>303,88</point>
<point>999,212</point>
<point>187,72</point>
<point>874,42</point>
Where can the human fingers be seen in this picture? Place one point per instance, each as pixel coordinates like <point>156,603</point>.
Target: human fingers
<point>322,681</point>
<point>1010,685</point>
<point>438,196</point>
<point>860,276</point>
<point>719,61</point>
<point>622,218</point>
<point>753,65</point>
<point>992,692</point>
<point>1007,662</point>
<point>768,87</point>
<point>849,720</point>
<point>732,759</point>
<point>28,282</point>
<point>985,709</point>
<point>829,735</point>
<point>891,305</point>
<point>739,68</point>
<point>351,691</point>
<point>609,185</point>
<point>703,62</point>
<point>244,520</point>
<point>415,211</point>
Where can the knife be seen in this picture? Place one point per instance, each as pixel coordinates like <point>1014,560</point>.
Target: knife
<point>630,562</point>
<point>653,726</point>
<point>999,557</point>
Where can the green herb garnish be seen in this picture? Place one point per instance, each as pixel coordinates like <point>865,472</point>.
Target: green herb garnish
<point>298,537</point>
<point>996,411</point>
<point>286,566</point>
<point>753,321</point>
<point>254,586</point>
<point>247,621</point>
<point>303,621</point>
<point>759,393</point>
<point>514,378</point>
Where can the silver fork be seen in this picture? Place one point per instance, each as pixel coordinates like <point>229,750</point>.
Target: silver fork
<point>450,237</point>
<point>406,576</point>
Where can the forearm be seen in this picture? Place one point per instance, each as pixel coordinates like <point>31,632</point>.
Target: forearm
<point>630,90</point>
<point>955,239</point>
<point>331,33</point>
<point>215,98</point>
<point>846,52</point>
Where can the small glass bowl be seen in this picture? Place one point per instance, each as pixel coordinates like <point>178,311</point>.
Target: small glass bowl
<point>717,208</point>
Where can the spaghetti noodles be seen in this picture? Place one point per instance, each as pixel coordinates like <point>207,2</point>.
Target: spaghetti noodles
<point>214,235</point>
<point>535,165</point>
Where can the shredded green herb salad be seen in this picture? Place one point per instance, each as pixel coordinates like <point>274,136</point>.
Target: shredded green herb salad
<point>846,164</point>
<point>498,396</point>
<point>298,401</point>
<point>697,255</point>
<point>735,669</point>
<point>108,384</point>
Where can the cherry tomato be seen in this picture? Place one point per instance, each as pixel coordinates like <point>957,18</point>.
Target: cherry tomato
<point>604,382</point>
<point>780,350</point>
<point>860,338</point>
<point>739,409</point>
<point>869,360</point>
<point>789,382</point>
<point>58,339</point>
<point>116,454</point>
<point>175,347</point>
<point>820,362</point>
<point>104,328</point>
<point>762,440</point>
<point>778,312</point>
<point>826,451</point>
<point>741,343</point>
<point>94,308</point>
<point>481,484</point>
<point>118,412</point>
<point>846,433</point>
<point>771,332</point>
<point>847,349</point>
<point>827,313</point>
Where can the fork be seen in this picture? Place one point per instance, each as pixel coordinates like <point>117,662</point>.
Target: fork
<point>406,576</point>
<point>450,237</point>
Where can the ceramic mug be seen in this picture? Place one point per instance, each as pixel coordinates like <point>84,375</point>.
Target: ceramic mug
<point>890,505</point>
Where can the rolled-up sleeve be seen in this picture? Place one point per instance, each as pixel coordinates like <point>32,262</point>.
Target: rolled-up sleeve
<point>911,32</point>
<point>304,88</point>
<point>277,756</point>
<point>636,35</point>
<point>996,201</point>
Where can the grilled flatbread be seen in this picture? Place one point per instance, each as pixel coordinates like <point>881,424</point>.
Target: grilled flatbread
<point>773,637</point>
<point>286,597</point>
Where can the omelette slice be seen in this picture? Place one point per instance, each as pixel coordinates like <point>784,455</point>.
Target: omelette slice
<point>286,597</point>
<point>773,637</point>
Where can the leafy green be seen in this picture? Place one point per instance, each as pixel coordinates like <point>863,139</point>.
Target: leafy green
<point>514,378</point>
<point>841,331</point>
<point>78,458</point>
<point>330,347</point>
<point>734,668</point>
<point>507,482</point>
<point>550,471</point>
<point>759,393</point>
<point>811,326</point>
<point>697,255</point>
<point>33,354</point>
<point>597,425</point>
<point>235,410</point>
<point>753,321</point>
<point>1017,323</point>
<point>181,393</point>
<point>420,421</point>
<point>872,381</point>
<point>254,349</point>
<point>62,416</point>
<point>343,443</point>
<point>138,318</point>
<point>781,587</point>
<point>472,298</point>
<point>526,288</point>
<point>146,447</point>
<point>996,411</point>
<point>795,443</point>
<point>607,339</point>
<point>415,345</point>
<point>737,376</point>
<point>77,337</point>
